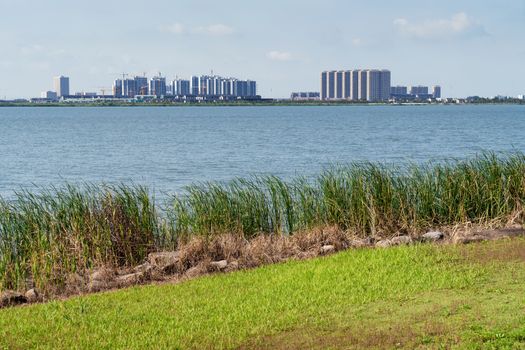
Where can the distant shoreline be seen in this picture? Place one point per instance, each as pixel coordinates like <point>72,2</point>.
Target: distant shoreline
<point>247,104</point>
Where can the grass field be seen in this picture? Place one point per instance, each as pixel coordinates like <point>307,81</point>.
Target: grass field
<point>419,296</point>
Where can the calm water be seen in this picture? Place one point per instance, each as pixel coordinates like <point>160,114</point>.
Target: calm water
<point>167,148</point>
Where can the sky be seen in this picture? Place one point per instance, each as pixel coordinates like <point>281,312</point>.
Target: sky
<point>469,47</point>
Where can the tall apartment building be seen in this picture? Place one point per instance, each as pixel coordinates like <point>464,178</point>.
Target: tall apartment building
<point>356,85</point>
<point>436,91</point>
<point>61,85</point>
<point>140,86</point>
<point>180,87</point>
<point>157,86</point>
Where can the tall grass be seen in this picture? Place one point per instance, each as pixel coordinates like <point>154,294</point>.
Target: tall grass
<point>366,198</point>
<point>46,237</point>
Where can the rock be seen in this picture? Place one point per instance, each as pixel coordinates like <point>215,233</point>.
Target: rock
<point>33,296</point>
<point>234,265</point>
<point>327,249</point>
<point>130,279</point>
<point>432,236</point>
<point>401,240</point>
<point>470,239</point>
<point>165,261</point>
<point>10,298</point>
<point>385,243</point>
<point>193,272</point>
<point>361,242</point>
<point>219,265</point>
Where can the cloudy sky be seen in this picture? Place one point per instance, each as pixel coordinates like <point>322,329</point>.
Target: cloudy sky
<point>470,47</point>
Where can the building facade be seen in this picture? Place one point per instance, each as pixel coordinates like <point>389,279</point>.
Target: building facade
<point>356,85</point>
<point>61,85</point>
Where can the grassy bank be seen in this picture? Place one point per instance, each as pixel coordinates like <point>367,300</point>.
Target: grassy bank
<point>467,297</point>
<point>48,237</point>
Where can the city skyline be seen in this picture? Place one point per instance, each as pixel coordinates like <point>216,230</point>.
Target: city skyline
<point>467,48</point>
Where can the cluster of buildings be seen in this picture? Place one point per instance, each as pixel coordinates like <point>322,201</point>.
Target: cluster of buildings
<point>370,85</point>
<point>198,88</point>
<point>415,92</point>
<point>201,87</point>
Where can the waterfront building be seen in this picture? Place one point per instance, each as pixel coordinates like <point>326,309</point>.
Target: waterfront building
<point>305,96</point>
<point>194,85</point>
<point>521,97</point>
<point>180,87</point>
<point>61,85</point>
<point>117,88</point>
<point>353,85</point>
<point>130,88</point>
<point>418,90</point>
<point>140,87</point>
<point>362,85</point>
<point>324,85</point>
<point>339,85</point>
<point>157,86</point>
<point>396,91</point>
<point>436,91</point>
<point>49,95</point>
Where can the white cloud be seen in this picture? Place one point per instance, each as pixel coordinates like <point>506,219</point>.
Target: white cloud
<point>459,24</point>
<point>175,28</point>
<point>279,56</point>
<point>211,30</point>
<point>357,41</point>
<point>214,30</point>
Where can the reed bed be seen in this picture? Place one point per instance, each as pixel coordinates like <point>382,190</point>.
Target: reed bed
<point>46,238</point>
<point>365,198</point>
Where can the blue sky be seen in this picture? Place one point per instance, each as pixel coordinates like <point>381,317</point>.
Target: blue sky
<point>469,47</point>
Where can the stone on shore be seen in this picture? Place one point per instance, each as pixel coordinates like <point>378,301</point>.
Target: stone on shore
<point>11,298</point>
<point>433,236</point>
<point>219,265</point>
<point>327,249</point>
<point>33,296</point>
<point>166,262</point>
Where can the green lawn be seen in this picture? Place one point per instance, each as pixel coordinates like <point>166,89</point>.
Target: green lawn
<point>407,297</point>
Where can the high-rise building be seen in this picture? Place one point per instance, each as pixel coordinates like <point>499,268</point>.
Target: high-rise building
<point>117,88</point>
<point>365,85</point>
<point>339,85</point>
<point>61,85</point>
<point>436,91</point>
<point>157,86</point>
<point>140,86</point>
<point>129,87</point>
<point>324,85</point>
<point>194,85</point>
<point>180,87</point>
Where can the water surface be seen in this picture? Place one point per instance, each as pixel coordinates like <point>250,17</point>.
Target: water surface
<point>167,148</point>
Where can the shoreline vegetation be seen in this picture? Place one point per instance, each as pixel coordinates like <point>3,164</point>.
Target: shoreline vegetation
<point>71,240</point>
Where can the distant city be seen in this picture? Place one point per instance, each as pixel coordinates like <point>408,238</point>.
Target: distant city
<point>197,88</point>
<point>358,85</point>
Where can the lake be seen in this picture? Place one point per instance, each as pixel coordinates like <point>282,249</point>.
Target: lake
<point>167,148</point>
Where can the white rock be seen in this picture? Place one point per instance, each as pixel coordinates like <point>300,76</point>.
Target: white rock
<point>385,243</point>
<point>433,236</point>
<point>219,265</point>
<point>327,249</point>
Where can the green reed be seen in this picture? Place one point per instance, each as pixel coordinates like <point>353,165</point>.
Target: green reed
<point>363,197</point>
<point>47,236</point>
